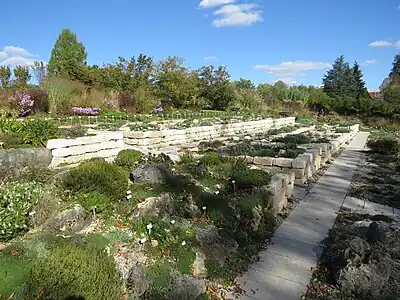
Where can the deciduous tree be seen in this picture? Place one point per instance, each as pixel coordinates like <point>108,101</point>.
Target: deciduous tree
<point>5,76</point>
<point>22,75</point>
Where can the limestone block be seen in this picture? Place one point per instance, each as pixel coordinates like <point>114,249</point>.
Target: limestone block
<point>249,159</point>
<point>133,134</point>
<point>284,177</point>
<point>275,184</point>
<point>279,201</point>
<point>264,161</point>
<point>283,162</point>
<point>299,173</point>
<point>299,162</point>
<point>289,190</point>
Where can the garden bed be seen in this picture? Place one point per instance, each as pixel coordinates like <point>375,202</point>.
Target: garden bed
<point>360,260</point>
<point>177,229</point>
<point>378,179</point>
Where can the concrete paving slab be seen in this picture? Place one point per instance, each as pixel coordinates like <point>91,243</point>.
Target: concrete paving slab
<point>354,203</point>
<point>302,231</point>
<point>295,248</point>
<point>315,202</point>
<point>265,286</point>
<point>397,212</point>
<point>312,214</point>
<point>376,208</point>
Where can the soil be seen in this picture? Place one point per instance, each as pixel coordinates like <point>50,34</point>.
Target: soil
<point>361,260</point>
<point>378,179</point>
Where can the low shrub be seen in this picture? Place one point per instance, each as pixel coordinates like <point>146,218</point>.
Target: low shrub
<point>38,174</point>
<point>97,176</point>
<point>387,146</point>
<point>16,203</point>
<point>128,158</point>
<point>94,199</point>
<point>74,272</point>
<point>203,146</point>
<point>37,132</point>
<point>211,159</point>
<point>74,132</point>
<point>12,140</point>
<point>249,178</point>
<point>294,139</point>
<point>342,130</point>
<point>186,158</point>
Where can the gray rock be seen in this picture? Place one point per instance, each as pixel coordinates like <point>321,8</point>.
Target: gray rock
<point>207,236</point>
<point>154,207</point>
<point>199,265</point>
<point>137,283</point>
<point>149,173</point>
<point>378,232</point>
<point>189,208</point>
<point>186,288</point>
<point>69,221</point>
<point>19,158</point>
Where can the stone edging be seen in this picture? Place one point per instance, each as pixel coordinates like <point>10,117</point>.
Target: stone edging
<point>107,145</point>
<point>307,164</point>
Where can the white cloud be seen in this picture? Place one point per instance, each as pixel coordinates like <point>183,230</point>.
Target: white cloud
<point>371,62</point>
<point>237,15</point>
<point>397,44</point>
<point>210,58</point>
<point>17,61</point>
<point>3,55</point>
<point>213,3</point>
<point>381,44</point>
<point>287,80</point>
<point>293,68</point>
<point>17,51</point>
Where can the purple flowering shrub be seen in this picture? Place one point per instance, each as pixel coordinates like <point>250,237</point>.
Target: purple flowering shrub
<point>24,102</point>
<point>86,111</point>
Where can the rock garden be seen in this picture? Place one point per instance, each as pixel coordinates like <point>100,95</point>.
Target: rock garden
<point>154,224</point>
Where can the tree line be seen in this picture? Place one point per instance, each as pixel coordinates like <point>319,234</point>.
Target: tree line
<point>140,79</point>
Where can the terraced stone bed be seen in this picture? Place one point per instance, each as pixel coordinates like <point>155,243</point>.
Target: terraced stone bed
<point>157,228</point>
<point>378,179</point>
<point>177,231</point>
<point>360,261</point>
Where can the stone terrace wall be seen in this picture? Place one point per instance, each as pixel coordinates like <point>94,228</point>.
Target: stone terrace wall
<point>307,164</point>
<point>108,144</point>
<point>165,138</point>
<point>73,151</point>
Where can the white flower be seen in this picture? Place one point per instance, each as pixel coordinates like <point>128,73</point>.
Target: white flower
<point>173,169</point>
<point>142,241</point>
<point>173,222</point>
<point>183,243</point>
<point>204,207</point>
<point>233,181</point>
<point>32,213</point>
<point>129,192</point>
<point>149,226</point>
<point>217,192</point>
<point>128,197</point>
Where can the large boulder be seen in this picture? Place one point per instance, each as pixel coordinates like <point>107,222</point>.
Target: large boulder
<point>69,221</point>
<point>137,282</point>
<point>154,207</point>
<point>149,174</point>
<point>186,287</point>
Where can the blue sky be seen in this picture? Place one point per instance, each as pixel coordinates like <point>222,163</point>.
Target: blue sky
<point>263,40</point>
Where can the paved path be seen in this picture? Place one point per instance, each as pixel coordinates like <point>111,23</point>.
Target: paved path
<point>284,269</point>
